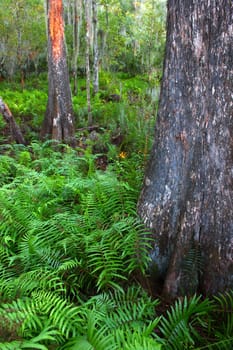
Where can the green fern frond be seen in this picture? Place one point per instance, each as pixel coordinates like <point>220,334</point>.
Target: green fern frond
<point>224,344</point>
<point>33,343</point>
<point>31,314</point>
<point>224,312</point>
<point>125,310</point>
<point>64,236</point>
<point>62,314</point>
<point>7,169</point>
<point>140,336</point>
<point>140,342</point>
<point>13,345</point>
<point>179,327</point>
<point>21,314</point>
<point>12,286</point>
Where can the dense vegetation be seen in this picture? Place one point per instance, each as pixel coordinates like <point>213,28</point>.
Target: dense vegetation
<point>74,255</point>
<point>73,252</point>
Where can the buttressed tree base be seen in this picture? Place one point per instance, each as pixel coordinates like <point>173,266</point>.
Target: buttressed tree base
<point>188,190</point>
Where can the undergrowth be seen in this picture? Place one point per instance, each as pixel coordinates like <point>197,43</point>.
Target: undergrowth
<point>131,117</point>
<point>72,252</point>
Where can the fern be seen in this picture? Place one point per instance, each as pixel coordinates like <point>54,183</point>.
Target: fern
<point>7,169</point>
<point>224,310</point>
<point>179,327</point>
<point>225,344</point>
<point>33,343</point>
<point>70,245</point>
<point>117,320</point>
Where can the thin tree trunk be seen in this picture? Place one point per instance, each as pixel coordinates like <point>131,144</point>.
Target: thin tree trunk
<point>18,10</point>
<point>187,197</point>
<point>105,40</point>
<point>15,131</point>
<point>69,12</point>
<point>88,74</point>
<point>95,48</point>
<point>77,13</point>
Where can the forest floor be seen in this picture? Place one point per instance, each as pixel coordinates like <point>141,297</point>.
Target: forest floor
<point>73,253</point>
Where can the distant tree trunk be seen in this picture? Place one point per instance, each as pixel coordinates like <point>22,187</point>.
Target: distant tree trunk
<point>104,40</point>
<point>95,48</point>
<point>58,121</point>
<point>18,22</point>
<point>88,74</point>
<point>15,131</point>
<point>77,14</point>
<point>187,196</point>
<point>69,11</point>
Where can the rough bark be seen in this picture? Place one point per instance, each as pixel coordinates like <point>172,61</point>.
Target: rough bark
<point>187,196</point>
<point>58,121</point>
<point>15,131</point>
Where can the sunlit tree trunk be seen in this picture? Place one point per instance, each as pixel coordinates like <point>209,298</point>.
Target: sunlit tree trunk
<point>187,197</point>
<point>58,121</point>
<point>88,73</point>
<point>95,48</point>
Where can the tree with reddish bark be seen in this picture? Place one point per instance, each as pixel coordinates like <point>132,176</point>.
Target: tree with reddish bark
<point>187,196</point>
<point>59,121</point>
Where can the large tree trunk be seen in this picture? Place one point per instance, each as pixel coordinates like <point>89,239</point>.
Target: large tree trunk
<point>187,197</point>
<point>15,131</point>
<point>58,120</point>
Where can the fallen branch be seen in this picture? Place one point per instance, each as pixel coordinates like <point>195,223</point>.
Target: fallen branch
<point>10,120</point>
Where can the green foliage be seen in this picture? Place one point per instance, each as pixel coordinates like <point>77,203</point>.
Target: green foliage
<point>26,105</point>
<point>195,323</point>
<point>71,250</point>
<point>131,36</point>
<point>132,118</point>
<point>224,316</point>
<point>23,35</point>
<point>179,327</point>
<point>2,122</point>
<point>67,231</point>
<point>135,35</point>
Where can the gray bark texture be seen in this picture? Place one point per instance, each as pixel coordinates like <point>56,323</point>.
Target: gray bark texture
<point>58,122</point>
<point>187,196</point>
